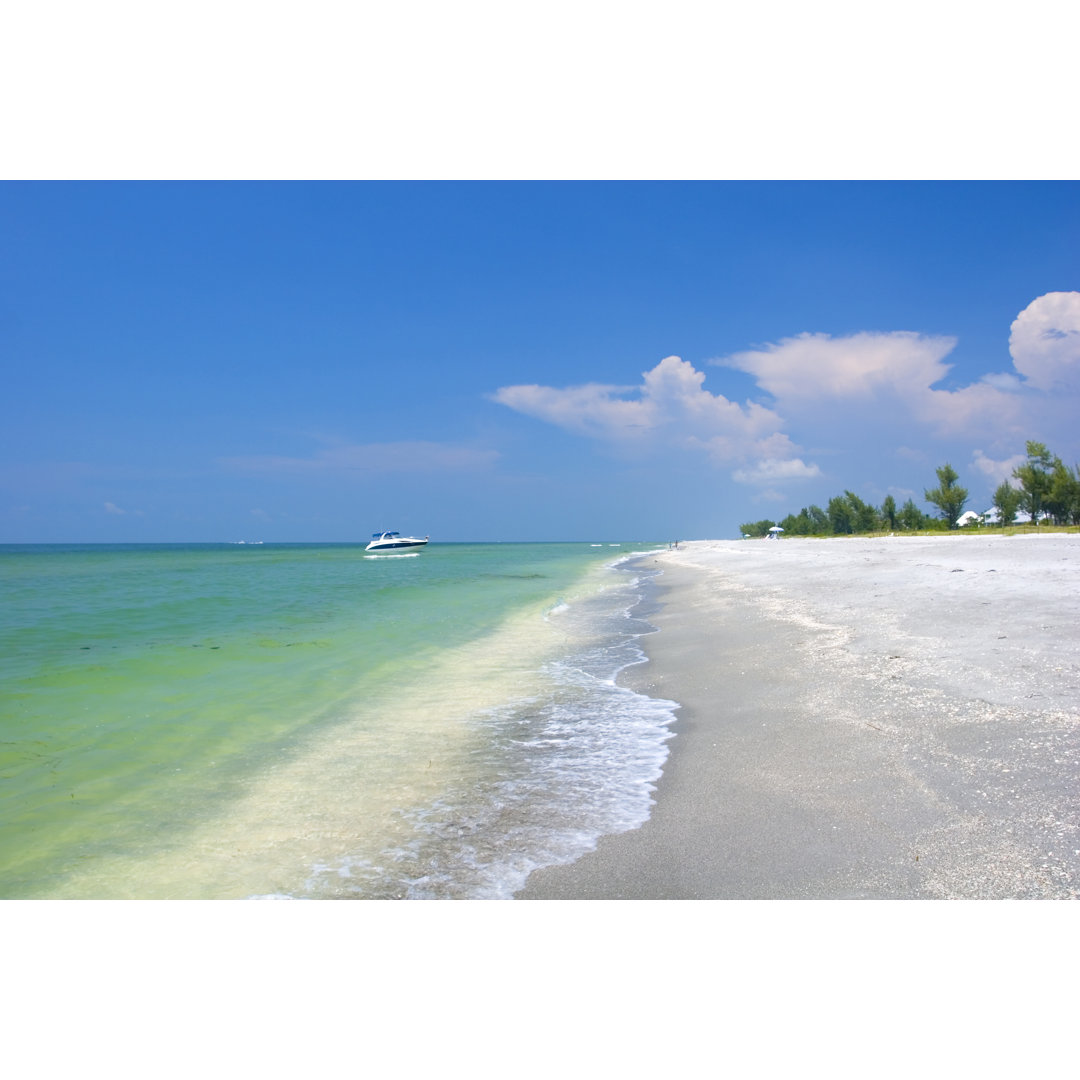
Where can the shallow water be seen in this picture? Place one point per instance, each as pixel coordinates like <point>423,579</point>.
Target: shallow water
<point>305,721</point>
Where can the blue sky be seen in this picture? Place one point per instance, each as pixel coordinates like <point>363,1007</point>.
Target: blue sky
<point>311,361</point>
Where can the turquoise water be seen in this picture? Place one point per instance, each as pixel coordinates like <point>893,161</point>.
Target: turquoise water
<point>206,721</point>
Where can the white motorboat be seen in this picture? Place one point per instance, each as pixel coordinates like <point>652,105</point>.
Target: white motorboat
<point>392,543</point>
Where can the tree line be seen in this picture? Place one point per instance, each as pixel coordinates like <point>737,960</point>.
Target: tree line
<point>1046,489</point>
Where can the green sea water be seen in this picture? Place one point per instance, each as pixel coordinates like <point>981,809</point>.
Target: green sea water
<point>207,721</point>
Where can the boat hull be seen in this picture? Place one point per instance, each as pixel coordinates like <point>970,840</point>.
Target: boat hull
<point>392,543</point>
<point>396,548</point>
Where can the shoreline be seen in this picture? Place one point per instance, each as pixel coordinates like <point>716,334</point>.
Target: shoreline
<point>890,718</point>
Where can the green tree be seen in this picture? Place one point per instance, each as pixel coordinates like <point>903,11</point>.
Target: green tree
<point>1035,479</point>
<point>948,496</point>
<point>797,524</point>
<point>863,516</point>
<point>888,512</point>
<point>910,516</point>
<point>1007,500</point>
<point>840,517</point>
<point>1063,498</point>
<point>757,528</point>
<point>819,520</point>
<point>1074,510</point>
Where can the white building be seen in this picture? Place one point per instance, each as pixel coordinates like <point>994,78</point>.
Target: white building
<point>993,517</point>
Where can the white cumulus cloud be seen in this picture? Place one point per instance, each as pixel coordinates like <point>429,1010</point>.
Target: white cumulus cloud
<point>811,367</point>
<point>1045,341</point>
<point>997,470</point>
<point>670,405</point>
<point>836,394</point>
<point>593,409</point>
<point>670,396</point>
<point>769,471</point>
<point>894,370</point>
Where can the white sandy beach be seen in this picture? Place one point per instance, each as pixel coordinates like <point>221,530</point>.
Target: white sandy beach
<point>861,718</point>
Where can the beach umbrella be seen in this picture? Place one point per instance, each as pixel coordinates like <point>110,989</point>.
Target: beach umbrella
<point>776,529</point>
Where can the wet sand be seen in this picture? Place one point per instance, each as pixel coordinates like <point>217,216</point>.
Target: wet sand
<point>894,718</point>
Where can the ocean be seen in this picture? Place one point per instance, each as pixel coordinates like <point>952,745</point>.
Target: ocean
<point>249,721</point>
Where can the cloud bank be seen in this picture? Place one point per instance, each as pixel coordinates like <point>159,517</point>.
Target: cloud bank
<point>860,367</point>
<point>819,384</point>
<point>896,370</point>
<point>670,406</point>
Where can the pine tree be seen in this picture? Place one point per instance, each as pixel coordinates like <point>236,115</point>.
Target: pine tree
<point>888,512</point>
<point>948,496</point>
<point>1007,500</point>
<point>910,516</point>
<point>1035,479</point>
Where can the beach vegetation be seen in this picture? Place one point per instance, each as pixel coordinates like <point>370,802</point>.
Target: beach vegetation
<point>757,528</point>
<point>1044,486</point>
<point>911,518</point>
<point>809,521</point>
<point>840,519</point>
<point>847,515</point>
<point>888,513</point>
<point>1007,500</point>
<point>863,515</point>
<point>949,497</point>
<point>1063,499</point>
<point>1035,479</point>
